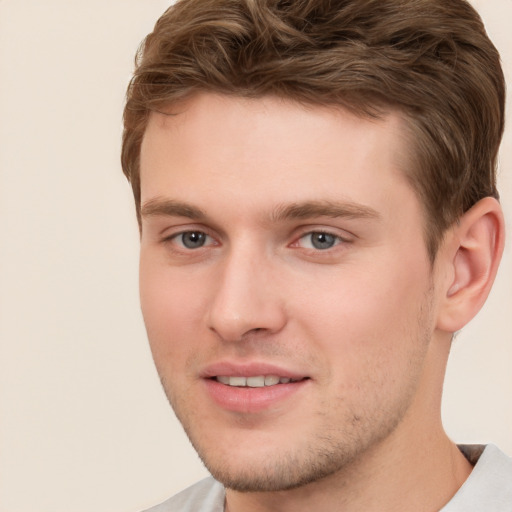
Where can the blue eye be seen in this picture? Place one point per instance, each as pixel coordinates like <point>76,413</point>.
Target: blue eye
<point>192,239</point>
<point>319,240</point>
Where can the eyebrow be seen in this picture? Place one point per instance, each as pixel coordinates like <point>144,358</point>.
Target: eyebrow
<point>172,208</point>
<point>303,210</point>
<point>333,209</point>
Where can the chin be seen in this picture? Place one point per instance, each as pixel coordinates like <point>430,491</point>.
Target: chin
<point>273,467</point>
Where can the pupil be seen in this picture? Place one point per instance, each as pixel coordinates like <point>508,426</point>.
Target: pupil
<point>322,240</point>
<point>193,239</point>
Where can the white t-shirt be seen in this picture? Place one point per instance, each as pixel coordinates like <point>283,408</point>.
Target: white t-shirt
<point>487,489</point>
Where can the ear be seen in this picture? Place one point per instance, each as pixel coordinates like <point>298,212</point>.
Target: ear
<point>470,254</point>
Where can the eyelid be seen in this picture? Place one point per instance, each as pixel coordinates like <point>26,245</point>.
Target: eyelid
<point>172,230</point>
<point>304,244</point>
<point>170,235</point>
<point>341,234</point>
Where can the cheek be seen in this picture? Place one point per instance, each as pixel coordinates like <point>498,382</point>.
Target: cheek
<point>171,311</point>
<point>367,319</point>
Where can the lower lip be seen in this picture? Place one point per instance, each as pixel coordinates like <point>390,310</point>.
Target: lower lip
<point>251,400</point>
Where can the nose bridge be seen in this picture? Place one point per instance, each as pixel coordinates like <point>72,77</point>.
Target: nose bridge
<point>246,297</point>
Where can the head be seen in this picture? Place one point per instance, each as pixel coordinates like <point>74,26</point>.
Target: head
<point>314,184</point>
<point>429,59</point>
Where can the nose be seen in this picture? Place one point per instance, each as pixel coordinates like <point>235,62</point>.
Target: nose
<point>247,298</point>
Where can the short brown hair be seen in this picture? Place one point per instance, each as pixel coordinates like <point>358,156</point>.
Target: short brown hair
<point>430,59</point>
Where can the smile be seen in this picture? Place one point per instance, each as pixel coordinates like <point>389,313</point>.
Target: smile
<point>258,381</point>
<point>253,390</point>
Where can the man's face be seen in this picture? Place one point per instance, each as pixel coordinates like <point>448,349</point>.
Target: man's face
<point>282,248</point>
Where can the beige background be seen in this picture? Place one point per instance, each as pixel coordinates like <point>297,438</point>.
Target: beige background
<point>84,425</point>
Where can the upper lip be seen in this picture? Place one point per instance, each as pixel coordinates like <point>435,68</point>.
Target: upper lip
<point>250,369</point>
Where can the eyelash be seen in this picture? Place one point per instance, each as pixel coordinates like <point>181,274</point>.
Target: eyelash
<point>175,236</point>
<point>335,240</point>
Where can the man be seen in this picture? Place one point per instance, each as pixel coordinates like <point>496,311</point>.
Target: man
<point>315,187</point>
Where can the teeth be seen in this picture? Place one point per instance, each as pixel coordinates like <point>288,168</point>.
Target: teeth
<point>258,381</point>
<point>271,380</point>
<point>237,381</point>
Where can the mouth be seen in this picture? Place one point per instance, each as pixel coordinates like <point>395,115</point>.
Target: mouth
<point>257,381</point>
<point>253,387</point>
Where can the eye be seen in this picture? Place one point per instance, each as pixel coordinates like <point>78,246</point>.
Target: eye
<point>319,240</point>
<point>192,239</point>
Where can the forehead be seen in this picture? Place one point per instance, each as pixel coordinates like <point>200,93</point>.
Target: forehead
<point>211,115</point>
<point>236,151</point>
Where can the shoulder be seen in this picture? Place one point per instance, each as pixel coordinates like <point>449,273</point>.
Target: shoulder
<point>204,496</point>
<point>489,486</point>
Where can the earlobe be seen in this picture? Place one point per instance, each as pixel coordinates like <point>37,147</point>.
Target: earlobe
<point>473,251</point>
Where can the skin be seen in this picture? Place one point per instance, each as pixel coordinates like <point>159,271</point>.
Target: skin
<point>367,319</point>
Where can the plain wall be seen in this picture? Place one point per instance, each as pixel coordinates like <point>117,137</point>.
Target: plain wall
<point>84,424</point>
